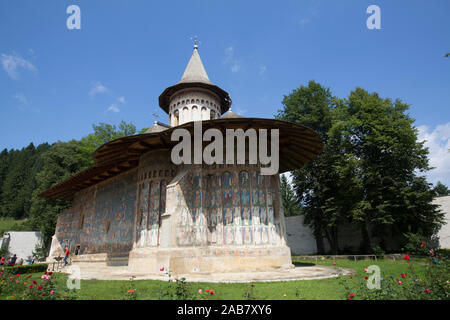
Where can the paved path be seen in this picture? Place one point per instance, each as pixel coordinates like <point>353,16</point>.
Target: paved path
<point>297,273</point>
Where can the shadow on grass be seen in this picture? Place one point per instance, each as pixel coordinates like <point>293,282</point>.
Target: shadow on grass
<point>303,264</point>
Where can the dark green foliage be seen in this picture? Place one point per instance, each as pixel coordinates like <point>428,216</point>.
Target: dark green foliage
<point>441,190</point>
<point>40,252</point>
<point>290,203</point>
<point>369,172</point>
<point>61,161</point>
<point>27,268</point>
<point>18,169</point>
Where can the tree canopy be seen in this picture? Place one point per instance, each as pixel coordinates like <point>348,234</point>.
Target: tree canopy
<point>368,171</point>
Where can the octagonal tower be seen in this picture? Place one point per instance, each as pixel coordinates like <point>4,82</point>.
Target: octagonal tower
<point>194,97</point>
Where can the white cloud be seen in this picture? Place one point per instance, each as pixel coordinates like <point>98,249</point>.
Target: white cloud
<point>438,143</point>
<point>122,100</point>
<point>304,21</point>
<point>228,54</point>
<point>235,67</point>
<point>113,108</point>
<point>11,63</point>
<point>21,98</point>
<point>98,88</point>
<point>262,70</point>
<point>231,60</point>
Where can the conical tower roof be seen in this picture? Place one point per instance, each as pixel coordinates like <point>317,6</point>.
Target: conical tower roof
<point>195,76</point>
<point>195,71</point>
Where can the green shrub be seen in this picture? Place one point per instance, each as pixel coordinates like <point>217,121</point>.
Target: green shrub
<point>378,252</point>
<point>27,268</point>
<point>415,243</point>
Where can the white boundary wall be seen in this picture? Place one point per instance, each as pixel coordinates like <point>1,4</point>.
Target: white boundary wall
<point>301,239</point>
<point>22,243</point>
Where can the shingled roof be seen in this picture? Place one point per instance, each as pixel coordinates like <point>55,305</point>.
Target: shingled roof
<point>195,76</point>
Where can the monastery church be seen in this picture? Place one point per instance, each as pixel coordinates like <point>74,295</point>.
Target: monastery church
<point>134,207</point>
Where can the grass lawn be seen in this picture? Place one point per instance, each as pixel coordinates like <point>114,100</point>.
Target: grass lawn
<point>286,290</point>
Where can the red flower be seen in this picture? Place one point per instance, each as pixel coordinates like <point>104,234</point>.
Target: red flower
<point>17,275</point>
<point>39,287</point>
<point>34,282</point>
<point>161,269</point>
<point>207,290</point>
<point>211,292</point>
<point>45,272</point>
<point>43,294</point>
<point>29,276</point>
<point>367,278</point>
<point>349,299</point>
<point>352,295</point>
<point>406,257</point>
<point>50,273</point>
<point>30,286</point>
<point>402,275</point>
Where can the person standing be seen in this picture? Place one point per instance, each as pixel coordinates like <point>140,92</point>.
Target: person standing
<point>13,260</point>
<point>66,255</point>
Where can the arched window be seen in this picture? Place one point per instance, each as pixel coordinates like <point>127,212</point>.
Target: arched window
<point>212,115</point>
<point>194,114</point>
<point>204,113</point>
<point>185,115</point>
<point>177,118</point>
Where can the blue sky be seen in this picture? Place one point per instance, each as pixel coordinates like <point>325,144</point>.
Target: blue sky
<point>55,82</point>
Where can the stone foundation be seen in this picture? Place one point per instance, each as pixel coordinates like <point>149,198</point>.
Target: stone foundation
<point>209,259</point>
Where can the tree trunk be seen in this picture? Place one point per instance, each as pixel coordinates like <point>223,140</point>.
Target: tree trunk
<point>366,246</point>
<point>319,241</point>
<point>334,238</point>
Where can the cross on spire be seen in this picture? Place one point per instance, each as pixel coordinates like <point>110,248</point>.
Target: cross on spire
<point>196,41</point>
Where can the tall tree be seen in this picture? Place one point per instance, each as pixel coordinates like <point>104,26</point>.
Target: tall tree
<point>314,106</point>
<point>290,203</point>
<point>103,133</point>
<point>441,189</point>
<point>382,137</point>
<point>367,172</point>
<point>60,162</point>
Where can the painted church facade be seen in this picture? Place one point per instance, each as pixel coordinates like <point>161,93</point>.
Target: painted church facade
<point>135,207</point>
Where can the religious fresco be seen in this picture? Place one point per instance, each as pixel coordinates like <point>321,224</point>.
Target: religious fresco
<point>101,218</point>
<point>121,197</point>
<point>227,205</point>
<point>155,172</point>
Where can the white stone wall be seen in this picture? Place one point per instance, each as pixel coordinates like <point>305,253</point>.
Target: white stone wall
<point>301,239</point>
<point>444,233</point>
<point>23,243</point>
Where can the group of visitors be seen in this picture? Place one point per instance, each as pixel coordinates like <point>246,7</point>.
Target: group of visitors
<point>9,262</point>
<point>13,261</point>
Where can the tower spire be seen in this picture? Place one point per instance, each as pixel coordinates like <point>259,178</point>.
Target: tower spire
<point>195,71</point>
